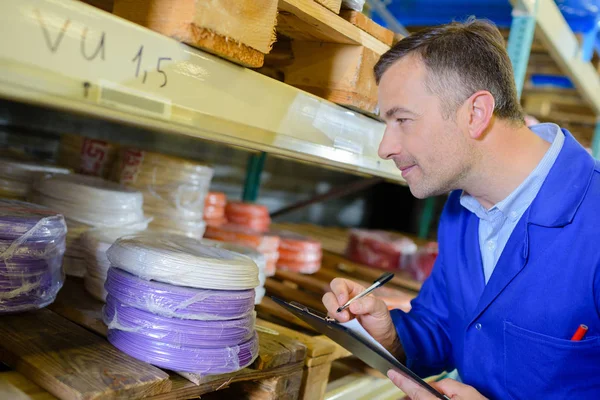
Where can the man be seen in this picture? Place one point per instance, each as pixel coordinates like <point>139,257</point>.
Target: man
<point>517,271</point>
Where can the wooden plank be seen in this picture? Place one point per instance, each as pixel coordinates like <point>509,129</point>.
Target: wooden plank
<point>284,387</point>
<point>15,386</point>
<point>76,305</point>
<point>72,363</point>
<point>308,21</point>
<point>283,291</point>
<point>106,5</point>
<point>316,345</point>
<point>333,5</point>
<point>340,73</point>
<point>368,25</point>
<point>268,308</point>
<point>314,382</point>
<point>184,389</point>
<point>240,31</point>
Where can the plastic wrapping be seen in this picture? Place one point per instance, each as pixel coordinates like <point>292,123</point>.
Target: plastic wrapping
<point>259,259</point>
<point>253,216</point>
<point>185,358</point>
<point>298,253</point>
<point>356,5</point>
<point>378,248</point>
<point>96,243</point>
<point>177,331</point>
<point>87,156</point>
<point>90,200</point>
<point>32,244</point>
<point>177,301</point>
<point>304,267</point>
<point>420,264</point>
<point>175,189</point>
<point>264,243</point>
<point>214,209</point>
<point>192,229</point>
<point>17,177</point>
<point>179,260</point>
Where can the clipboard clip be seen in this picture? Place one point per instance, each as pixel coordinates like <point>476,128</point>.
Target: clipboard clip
<point>305,309</point>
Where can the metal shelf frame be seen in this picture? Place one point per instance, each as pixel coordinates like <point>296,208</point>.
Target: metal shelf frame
<point>545,18</point>
<point>69,56</point>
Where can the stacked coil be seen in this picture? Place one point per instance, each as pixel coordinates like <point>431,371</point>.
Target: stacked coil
<point>89,202</point>
<point>180,304</point>
<point>264,243</point>
<point>32,244</point>
<point>248,215</point>
<point>174,189</point>
<point>17,177</point>
<point>298,253</point>
<point>214,209</point>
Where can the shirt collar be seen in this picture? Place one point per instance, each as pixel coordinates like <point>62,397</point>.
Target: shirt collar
<point>515,204</point>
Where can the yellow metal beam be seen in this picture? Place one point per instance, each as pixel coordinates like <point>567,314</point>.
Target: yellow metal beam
<point>70,56</point>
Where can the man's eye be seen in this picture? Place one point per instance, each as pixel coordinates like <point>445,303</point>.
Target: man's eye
<point>401,120</point>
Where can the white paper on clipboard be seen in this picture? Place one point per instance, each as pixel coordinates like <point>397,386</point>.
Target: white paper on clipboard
<point>361,332</point>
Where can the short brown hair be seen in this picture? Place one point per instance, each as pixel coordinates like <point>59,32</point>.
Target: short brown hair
<point>461,59</point>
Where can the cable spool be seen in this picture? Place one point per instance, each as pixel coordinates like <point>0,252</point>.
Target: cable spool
<point>178,301</point>
<point>174,189</point>
<point>181,328</point>
<point>265,244</point>
<point>89,202</point>
<point>179,260</point>
<point>185,358</point>
<point>17,177</point>
<point>298,253</point>
<point>87,156</point>
<point>253,216</point>
<point>178,331</point>
<point>32,244</point>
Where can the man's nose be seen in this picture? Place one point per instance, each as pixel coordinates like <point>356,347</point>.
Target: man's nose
<point>389,145</point>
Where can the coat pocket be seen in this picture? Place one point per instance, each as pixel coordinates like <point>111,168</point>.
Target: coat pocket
<point>539,366</point>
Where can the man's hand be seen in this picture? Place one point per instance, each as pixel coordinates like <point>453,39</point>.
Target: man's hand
<point>451,388</point>
<point>371,312</point>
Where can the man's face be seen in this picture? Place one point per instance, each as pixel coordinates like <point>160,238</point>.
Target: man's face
<point>432,152</point>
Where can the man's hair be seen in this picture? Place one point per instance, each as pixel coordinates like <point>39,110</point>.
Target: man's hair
<point>461,59</point>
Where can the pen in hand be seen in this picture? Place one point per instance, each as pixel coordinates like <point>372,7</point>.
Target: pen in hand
<point>377,283</point>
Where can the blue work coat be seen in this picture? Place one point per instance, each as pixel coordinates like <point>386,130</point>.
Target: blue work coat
<point>511,337</point>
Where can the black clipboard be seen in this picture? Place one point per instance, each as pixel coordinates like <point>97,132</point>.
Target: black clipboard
<point>367,352</point>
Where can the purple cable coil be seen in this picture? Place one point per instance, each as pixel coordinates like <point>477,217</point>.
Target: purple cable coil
<point>177,331</point>
<point>178,301</point>
<point>32,244</point>
<point>185,358</point>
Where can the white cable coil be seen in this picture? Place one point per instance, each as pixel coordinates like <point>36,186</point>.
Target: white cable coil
<point>258,258</point>
<point>96,243</point>
<point>90,200</point>
<point>91,190</point>
<point>179,260</point>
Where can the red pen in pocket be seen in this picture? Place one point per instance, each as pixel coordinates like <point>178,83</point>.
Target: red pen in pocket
<point>580,333</point>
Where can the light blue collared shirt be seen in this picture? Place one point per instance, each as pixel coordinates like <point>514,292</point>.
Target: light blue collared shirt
<point>497,223</point>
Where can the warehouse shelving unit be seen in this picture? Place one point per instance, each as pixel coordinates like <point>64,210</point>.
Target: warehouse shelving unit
<point>75,58</point>
<point>544,18</point>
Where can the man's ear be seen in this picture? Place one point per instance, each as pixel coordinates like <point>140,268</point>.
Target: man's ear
<point>479,113</point>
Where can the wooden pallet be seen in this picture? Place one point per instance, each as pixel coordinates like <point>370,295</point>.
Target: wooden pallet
<point>63,350</point>
<point>331,55</point>
<point>307,382</point>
